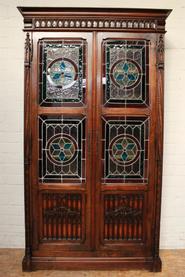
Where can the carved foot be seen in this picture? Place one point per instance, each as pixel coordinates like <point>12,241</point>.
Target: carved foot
<point>157,265</point>
<point>26,264</point>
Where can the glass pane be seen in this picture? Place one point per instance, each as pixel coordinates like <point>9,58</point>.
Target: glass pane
<point>62,72</point>
<point>62,149</point>
<point>125,72</point>
<point>125,149</point>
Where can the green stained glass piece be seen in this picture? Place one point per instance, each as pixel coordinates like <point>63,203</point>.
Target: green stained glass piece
<point>131,77</point>
<point>125,67</point>
<point>62,156</point>
<point>67,145</point>
<point>130,146</point>
<point>124,156</point>
<point>56,76</point>
<point>119,146</point>
<point>120,77</point>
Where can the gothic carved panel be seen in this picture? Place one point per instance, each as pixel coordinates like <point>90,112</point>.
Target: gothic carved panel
<point>123,217</point>
<point>61,216</point>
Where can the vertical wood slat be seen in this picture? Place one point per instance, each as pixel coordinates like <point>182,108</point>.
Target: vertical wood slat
<point>123,217</point>
<point>62,216</point>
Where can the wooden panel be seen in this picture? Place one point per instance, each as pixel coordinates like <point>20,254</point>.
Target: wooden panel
<point>123,217</point>
<point>61,216</point>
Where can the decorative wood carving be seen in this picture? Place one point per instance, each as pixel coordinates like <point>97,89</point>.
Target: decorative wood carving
<point>28,50</point>
<point>62,216</point>
<point>94,19</point>
<point>160,52</point>
<point>123,217</point>
<point>94,23</point>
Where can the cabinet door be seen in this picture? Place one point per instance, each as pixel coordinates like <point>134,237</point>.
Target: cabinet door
<point>61,137</point>
<point>125,156</point>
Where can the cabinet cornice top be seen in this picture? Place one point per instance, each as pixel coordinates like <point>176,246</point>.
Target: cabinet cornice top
<point>83,19</point>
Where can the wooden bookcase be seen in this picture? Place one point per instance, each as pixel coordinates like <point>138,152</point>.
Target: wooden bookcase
<point>93,136</point>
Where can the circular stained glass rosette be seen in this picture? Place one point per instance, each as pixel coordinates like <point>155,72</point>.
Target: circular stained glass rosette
<point>62,73</point>
<point>61,149</point>
<point>126,73</point>
<point>124,149</point>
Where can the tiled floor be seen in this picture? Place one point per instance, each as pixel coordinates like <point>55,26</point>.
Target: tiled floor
<point>173,266</point>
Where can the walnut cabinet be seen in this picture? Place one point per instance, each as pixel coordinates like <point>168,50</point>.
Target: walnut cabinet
<point>93,136</point>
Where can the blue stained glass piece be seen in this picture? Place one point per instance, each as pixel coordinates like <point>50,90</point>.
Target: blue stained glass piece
<point>124,156</point>
<point>62,65</point>
<point>131,77</point>
<point>130,146</point>
<point>56,146</point>
<point>67,145</point>
<point>69,76</point>
<point>120,77</point>
<point>125,67</point>
<point>56,76</point>
<point>62,156</point>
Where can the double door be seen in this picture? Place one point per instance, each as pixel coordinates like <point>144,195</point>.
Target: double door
<point>92,114</point>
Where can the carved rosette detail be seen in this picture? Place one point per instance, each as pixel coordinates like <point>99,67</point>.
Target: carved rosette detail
<point>93,23</point>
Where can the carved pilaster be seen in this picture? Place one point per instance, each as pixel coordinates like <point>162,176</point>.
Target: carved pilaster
<point>27,156</point>
<point>28,50</point>
<point>159,144</point>
<point>160,52</point>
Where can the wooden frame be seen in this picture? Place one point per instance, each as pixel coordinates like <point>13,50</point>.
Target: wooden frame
<point>94,25</point>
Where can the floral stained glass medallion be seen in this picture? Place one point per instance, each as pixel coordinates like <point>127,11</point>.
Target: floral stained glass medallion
<point>61,149</point>
<point>125,72</point>
<point>62,72</point>
<point>125,149</point>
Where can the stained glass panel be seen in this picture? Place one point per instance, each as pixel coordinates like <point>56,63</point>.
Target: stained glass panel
<point>125,149</point>
<point>62,149</point>
<point>125,72</point>
<point>62,72</point>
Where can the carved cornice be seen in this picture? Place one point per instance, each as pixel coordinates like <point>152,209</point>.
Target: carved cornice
<point>92,23</point>
<point>44,19</point>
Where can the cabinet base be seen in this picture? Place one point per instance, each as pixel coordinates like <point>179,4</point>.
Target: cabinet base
<point>98,263</point>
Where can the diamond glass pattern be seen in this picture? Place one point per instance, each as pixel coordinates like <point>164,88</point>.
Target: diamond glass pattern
<point>62,72</point>
<point>125,72</point>
<point>125,149</point>
<point>62,149</point>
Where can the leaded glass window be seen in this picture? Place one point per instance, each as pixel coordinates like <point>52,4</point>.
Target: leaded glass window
<point>125,149</point>
<point>125,72</point>
<point>61,149</point>
<point>62,72</point>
